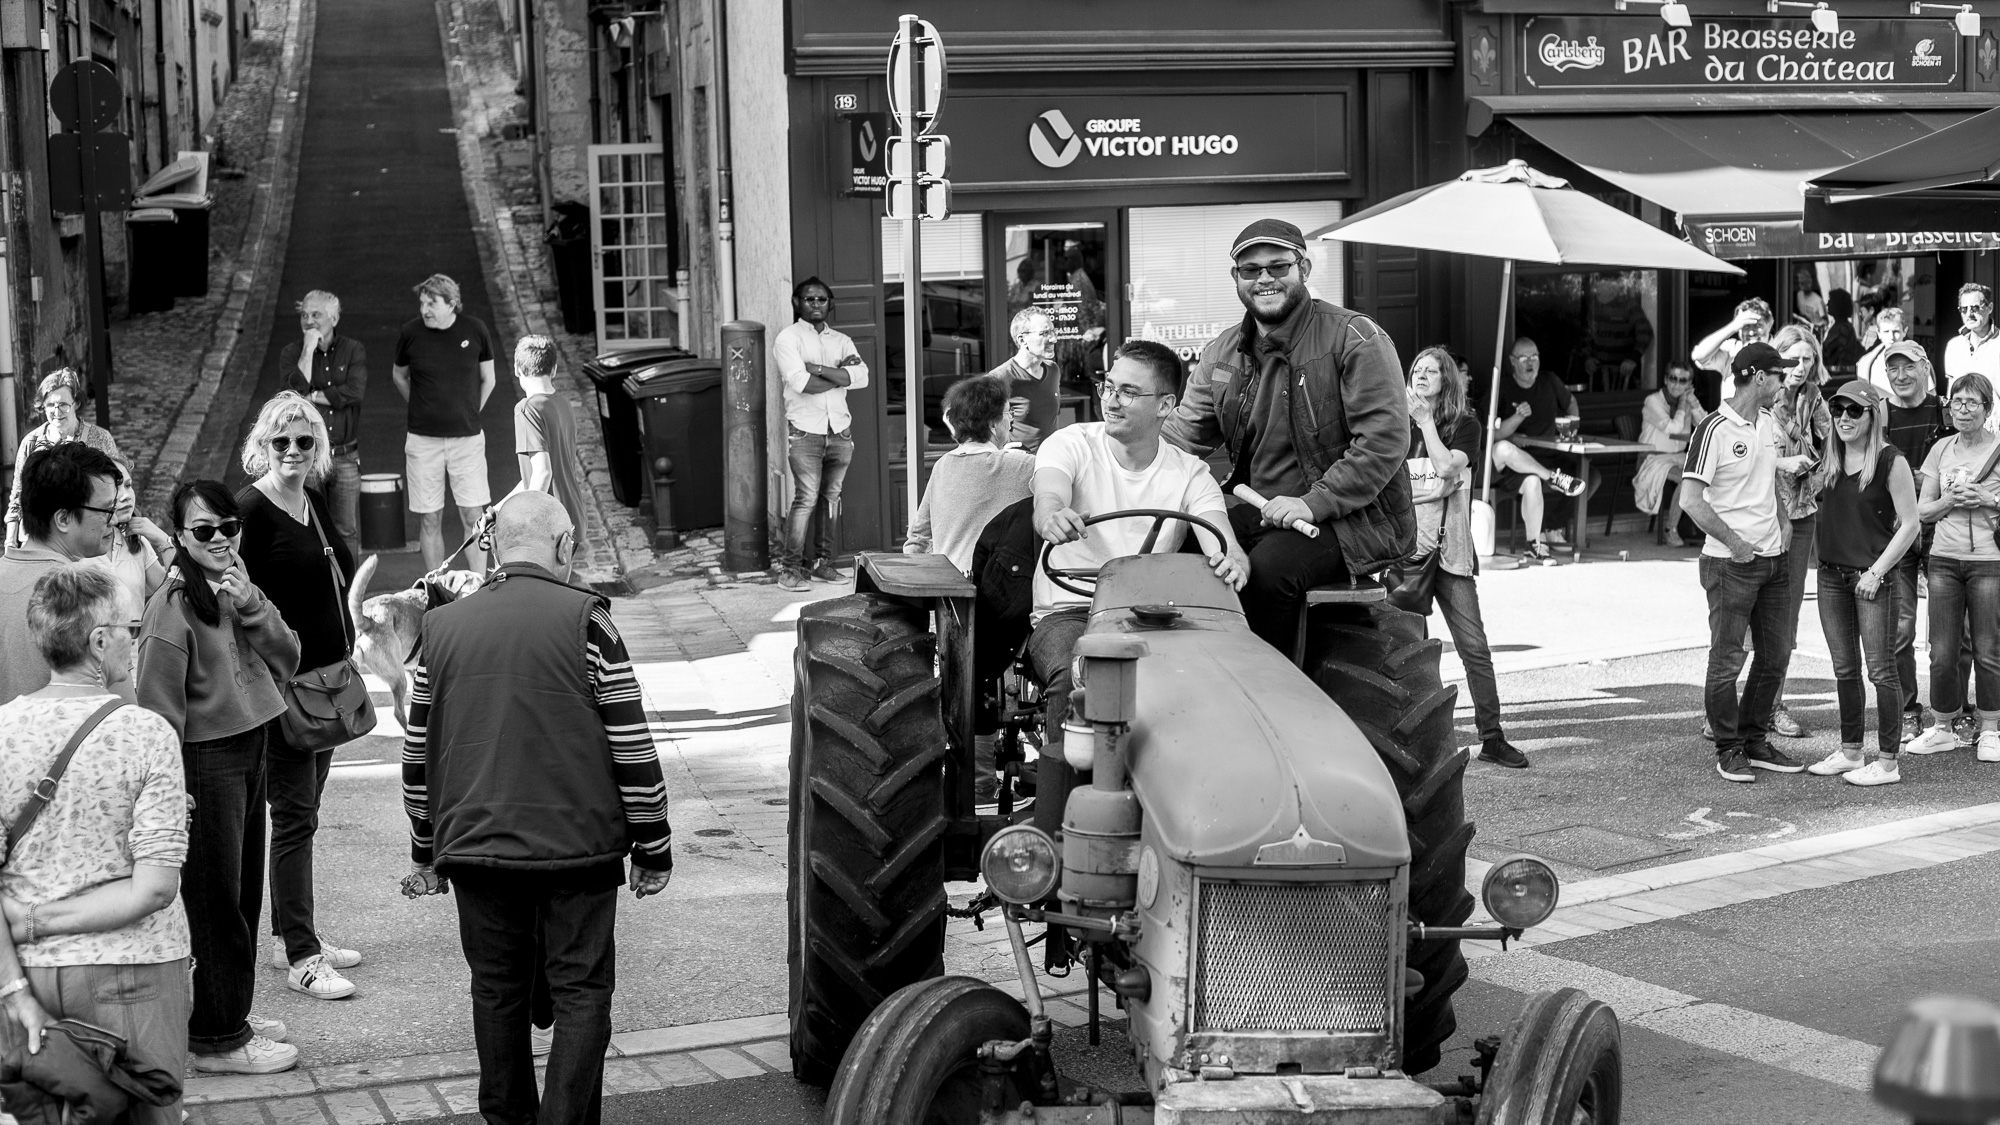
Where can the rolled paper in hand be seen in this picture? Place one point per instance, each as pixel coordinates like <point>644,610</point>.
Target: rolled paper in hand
<point>1249,496</point>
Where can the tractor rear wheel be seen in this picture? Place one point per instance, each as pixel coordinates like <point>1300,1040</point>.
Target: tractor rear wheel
<point>865,893</point>
<point>915,1062</point>
<point>1560,1063</point>
<point>1377,664</point>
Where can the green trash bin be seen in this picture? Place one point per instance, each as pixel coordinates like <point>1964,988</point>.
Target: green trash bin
<point>617,419</point>
<point>679,407</point>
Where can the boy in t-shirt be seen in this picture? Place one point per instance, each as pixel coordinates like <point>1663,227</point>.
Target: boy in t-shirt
<point>974,482</point>
<point>545,430</point>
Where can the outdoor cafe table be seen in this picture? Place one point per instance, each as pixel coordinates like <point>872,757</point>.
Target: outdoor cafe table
<point>1583,450</point>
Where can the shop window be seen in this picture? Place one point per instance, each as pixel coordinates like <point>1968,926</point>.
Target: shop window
<point>954,311</point>
<point>1598,330</point>
<point>1182,294</point>
<point>1059,267</point>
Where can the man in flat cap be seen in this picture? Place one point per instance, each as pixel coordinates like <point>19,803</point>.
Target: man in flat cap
<point>1308,398</point>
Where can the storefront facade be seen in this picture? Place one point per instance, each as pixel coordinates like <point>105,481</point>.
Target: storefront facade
<point>1100,174</point>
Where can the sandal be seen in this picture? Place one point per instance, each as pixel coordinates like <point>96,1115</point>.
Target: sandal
<point>1538,551</point>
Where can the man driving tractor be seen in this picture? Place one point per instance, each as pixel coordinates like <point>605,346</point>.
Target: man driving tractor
<point>1308,397</point>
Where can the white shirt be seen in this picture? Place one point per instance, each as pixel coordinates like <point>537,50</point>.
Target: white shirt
<point>798,344</point>
<point>1962,356</point>
<point>1738,462</point>
<point>1176,480</point>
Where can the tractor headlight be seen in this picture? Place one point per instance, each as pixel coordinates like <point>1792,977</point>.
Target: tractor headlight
<point>1520,891</point>
<point>1020,864</point>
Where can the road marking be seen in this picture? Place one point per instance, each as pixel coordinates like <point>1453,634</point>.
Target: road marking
<point>1690,1019</point>
<point>1703,826</point>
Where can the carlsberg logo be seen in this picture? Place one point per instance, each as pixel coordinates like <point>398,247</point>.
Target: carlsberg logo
<point>1560,54</point>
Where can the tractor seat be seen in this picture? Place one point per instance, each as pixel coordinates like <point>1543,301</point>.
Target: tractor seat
<point>1354,591</point>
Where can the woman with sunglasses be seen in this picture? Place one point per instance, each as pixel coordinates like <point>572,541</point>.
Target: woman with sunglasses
<point>1803,428</point>
<point>1961,497</point>
<point>59,399</point>
<point>1667,419</point>
<point>212,653</point>
<point>290,550</point>
<point>1867,520</point>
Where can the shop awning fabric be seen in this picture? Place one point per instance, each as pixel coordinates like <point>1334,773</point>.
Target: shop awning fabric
<point>1947,181</point>
<point>1734,179</point>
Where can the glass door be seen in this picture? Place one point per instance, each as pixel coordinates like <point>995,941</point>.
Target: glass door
<point>1070,266</point>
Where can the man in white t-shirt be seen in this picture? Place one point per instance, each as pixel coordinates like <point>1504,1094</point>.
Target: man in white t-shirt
<point>1753,323</point>
<point>1977,345</point>
<point>1109,466</point>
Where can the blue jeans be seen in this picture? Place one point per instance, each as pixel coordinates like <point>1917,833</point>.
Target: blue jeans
<point>819,467</point>
<point>1857,627</point>
<point>1051,651</point>
<point>224,893</point>
<point>1905,579</point>
<point>1804,552</point>
<point>1754,596</point>
<point>343,496</point>
<point>1959,586</point>
<point>1458,599</point>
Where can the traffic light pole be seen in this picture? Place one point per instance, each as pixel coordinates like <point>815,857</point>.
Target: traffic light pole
<point>914,431</point>
<point>98,342</point>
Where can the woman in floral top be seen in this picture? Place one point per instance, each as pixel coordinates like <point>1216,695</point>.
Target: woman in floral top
<point>91,892</point>
<point>1803,423</point>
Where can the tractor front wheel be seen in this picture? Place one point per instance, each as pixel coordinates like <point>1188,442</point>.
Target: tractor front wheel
<point>1560,1063</point>
<point>916,1060</point>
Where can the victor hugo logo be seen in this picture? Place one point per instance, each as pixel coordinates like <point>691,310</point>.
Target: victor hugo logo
<point>1052,140</point>
<point>1926,54</point>
<point>1568,54</point>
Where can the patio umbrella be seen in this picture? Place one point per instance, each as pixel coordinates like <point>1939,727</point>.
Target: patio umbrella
<point>1515,213</point>
<point>1948,181</point>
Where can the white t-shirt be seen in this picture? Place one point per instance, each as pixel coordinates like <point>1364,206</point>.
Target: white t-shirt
<point>1176,480</point>
<point>1738,462</point>
<point>128,567</point>
<point>1963,357</point>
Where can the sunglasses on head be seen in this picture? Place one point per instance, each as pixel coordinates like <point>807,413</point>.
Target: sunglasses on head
<point>283,444</point>
<point>203,532</point>
<point>1849,410</point>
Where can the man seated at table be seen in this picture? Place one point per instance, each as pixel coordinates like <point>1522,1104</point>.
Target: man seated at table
<point>1530,403</point>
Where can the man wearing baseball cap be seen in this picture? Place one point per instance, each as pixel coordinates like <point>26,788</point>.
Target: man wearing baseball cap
<point>1729,487</point>
<point>1917,420</point>
<point>1308,399</point>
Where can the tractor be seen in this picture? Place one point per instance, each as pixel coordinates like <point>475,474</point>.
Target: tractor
<point>1265,869</point>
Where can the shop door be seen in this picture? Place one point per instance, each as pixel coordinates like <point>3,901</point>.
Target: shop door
<point>1072,265</point>
<point>631,248</point>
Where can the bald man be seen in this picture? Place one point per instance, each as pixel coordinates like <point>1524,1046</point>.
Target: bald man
<point>529,775</point>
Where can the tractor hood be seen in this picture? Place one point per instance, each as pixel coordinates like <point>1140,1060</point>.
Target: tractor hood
<point>1236,749</point>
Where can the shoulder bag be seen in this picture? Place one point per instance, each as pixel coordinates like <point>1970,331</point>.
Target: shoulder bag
<point>327,706</point>
<point>45,789</point>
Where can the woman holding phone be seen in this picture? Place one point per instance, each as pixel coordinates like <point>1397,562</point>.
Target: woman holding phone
<point>212,652</point>
<point>1803,426</point>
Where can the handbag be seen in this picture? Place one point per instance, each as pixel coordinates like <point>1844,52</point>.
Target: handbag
<point>45,789</point>
<point>1412,582</point>
<point>329,705</point>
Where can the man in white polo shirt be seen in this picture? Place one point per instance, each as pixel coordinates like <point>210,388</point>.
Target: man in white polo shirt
<point>1977,345</point>
<point>1729,488</point>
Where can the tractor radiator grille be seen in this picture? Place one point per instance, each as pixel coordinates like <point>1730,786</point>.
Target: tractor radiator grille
<point>1293,957</point>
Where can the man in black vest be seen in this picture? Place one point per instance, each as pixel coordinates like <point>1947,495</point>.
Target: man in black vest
<point>528,775</point>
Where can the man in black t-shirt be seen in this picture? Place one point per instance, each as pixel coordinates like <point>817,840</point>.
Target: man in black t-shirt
<point>1530,402</point>
<point>444,370</point>
<point>1916,421</point>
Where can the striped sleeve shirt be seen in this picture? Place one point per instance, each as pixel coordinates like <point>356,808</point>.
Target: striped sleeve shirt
<point>635,764</point>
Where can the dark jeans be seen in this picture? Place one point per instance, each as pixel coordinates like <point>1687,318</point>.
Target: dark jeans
<point>1960,587</point>
<point>294,781</point>
<point>1283,566</point>
<point>1050,649</point>
<point>1858,627</point>
<point>1905,579</point>
<point>819,467</point>
<point>1458,599</point>
<point>224,890</point>
<point>504,934</point>
<point>1804,553</point>
<point>1754,596</point>
<point>343,497</point>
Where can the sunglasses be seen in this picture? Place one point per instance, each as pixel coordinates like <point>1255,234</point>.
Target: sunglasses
<point>1850,410</point>
<point>1252,273</point>
<point>283,444</point>
<point>203,532</point>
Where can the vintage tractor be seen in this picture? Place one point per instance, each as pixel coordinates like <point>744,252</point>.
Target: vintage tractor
<point>1266,868</point>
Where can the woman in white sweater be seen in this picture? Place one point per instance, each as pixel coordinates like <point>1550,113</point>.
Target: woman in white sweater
<point>974,482</point>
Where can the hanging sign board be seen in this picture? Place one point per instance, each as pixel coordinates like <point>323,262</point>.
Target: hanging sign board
<point>1726,53</point>
<point>1739,239</point>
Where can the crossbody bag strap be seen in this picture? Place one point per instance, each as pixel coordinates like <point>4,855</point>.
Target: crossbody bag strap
<point>45,789</point>
<point>332,564</point>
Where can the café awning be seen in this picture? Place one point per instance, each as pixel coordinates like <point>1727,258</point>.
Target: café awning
<point>1734,179</point>
<point>1949,180</point>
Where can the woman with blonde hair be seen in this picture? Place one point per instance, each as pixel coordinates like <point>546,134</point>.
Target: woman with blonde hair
<point>292,553</point>
<point>1803,427</point>
<point>59,399</point>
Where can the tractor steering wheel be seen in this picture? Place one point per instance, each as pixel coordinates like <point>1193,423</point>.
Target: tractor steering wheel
<point>1060,576</point>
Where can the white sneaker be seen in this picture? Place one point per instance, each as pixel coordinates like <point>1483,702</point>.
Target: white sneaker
<point>319,980</point>
<point>1839,761</point>
<point>1936,740</point>
<point>542,1040</point>
<point>1881,771</point>
<point>1989,746</point>
<point>258,1056</point>
<point>274,1030</point>
<point>336,956</point>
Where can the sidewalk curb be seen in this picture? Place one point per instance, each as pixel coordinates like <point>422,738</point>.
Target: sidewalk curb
<point>202,437</point>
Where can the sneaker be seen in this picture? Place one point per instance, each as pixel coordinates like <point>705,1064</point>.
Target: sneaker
<point>1764,756</point>
<point>791,578</point>
<point>319,980</point>
<point>1989,746</point>
<point>1674,539</point>
<point>1782,723</point>
<point>1733,765</point>
<point>1840,761</point>
<point>336,956</point>
<point>541,1040</point>
<point>1881,771</point>
<point>1538,551</point>
<point>1936,740</point>
<point>1566,484</point>
<point>1501,752</point>
<point>1556,536</point>
<point>827,572</point>
<point>274,1030</point>
<point>1966,728</point>
<point>1913,725</point>
<point>258,1056</point>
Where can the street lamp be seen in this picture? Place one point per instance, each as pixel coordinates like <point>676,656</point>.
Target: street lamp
<point>1824,19</point>
<point>1965,19</point>
<point>1672,11</point>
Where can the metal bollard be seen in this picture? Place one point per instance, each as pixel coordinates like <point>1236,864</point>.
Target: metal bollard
<point>745,534</point>
<point>1943,1066</point>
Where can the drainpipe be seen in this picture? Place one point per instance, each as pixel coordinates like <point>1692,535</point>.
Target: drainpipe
<point>160,77</point>
<point>10,427</point>
<point>194,75</point>
<point>725,222</point>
